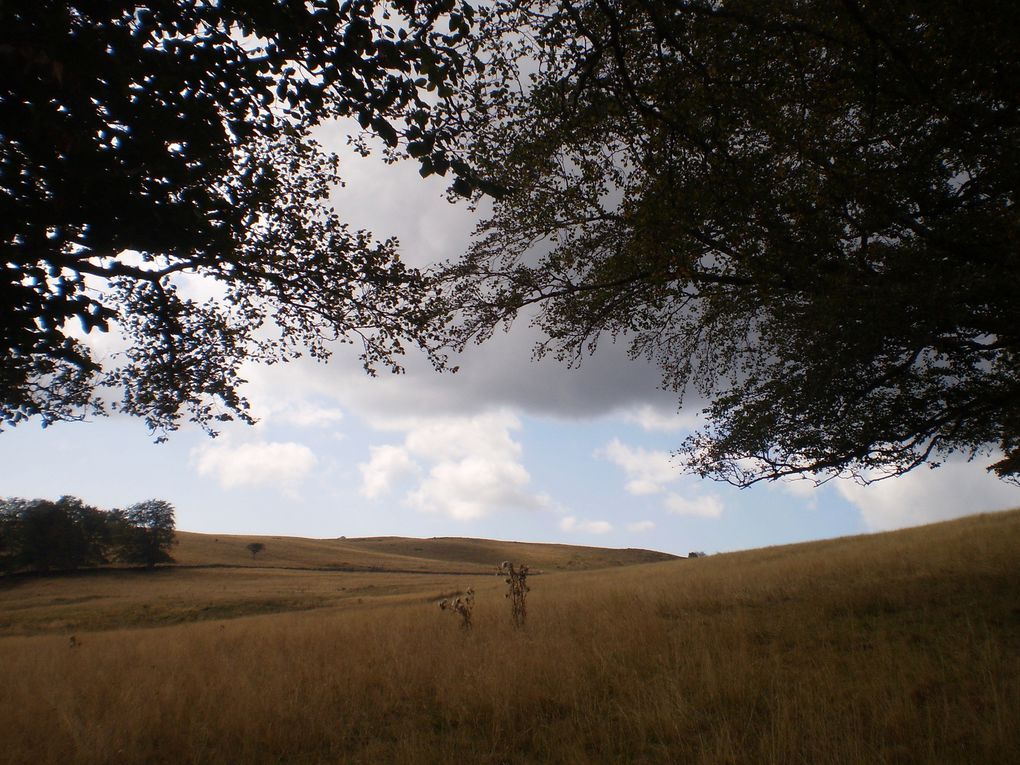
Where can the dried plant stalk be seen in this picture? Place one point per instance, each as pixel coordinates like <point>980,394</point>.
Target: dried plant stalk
<point>462,605</point>
<point>517,579</point>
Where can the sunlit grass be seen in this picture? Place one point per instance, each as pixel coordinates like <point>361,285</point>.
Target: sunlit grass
<point>439,554</point>
<point>893,648</point>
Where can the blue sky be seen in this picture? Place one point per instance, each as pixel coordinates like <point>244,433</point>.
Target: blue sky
<point>508,448</point>
<point>325,472</point>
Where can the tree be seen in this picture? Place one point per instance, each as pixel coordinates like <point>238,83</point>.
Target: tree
<point>42,535</point>
<point>8,535</point>
<point>804,212</point>
<point>147,533</point>
<point>12,548</point>
<point>147,142</point>
<point>255,548</point>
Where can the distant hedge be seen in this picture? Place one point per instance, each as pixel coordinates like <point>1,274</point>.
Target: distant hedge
<point>42,535</point>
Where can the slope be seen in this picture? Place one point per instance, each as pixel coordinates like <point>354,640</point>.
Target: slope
<point>399,554</point>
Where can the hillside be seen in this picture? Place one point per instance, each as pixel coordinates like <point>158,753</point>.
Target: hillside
<point>399,554</point>
<point>216,577</point>
<point>890,648</point>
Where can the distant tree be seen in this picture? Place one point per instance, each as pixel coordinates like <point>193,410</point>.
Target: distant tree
<point>805,212</point>
<point>94,532</point>
<point>10,534</point>
<point>255,548</point>
<point>42,535</point>
<point>147,533</point>
<point>145,141</point>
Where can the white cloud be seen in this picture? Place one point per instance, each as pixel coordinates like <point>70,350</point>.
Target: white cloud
<point>392,200</point>
<point>639,526</point>
<point>288,394</point>
<point>473,487</point>
<point>387,464</point>
<point>451,438</point>
<point>657,418</point>
<point>647,471</point>
<point>925,496</point>
<point>306,414</point>
<point>571,523</point>
<point>804,488</point>
<point>707,506</point>
<point>474,465</point>
<point>272,464</point>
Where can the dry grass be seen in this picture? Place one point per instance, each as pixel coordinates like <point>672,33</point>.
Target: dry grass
<point>218,578</point>
<point>111,599</point>
<point>894,648</point>
<point>439,554</point>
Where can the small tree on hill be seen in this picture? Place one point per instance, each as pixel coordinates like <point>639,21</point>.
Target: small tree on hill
<point>255,548</point>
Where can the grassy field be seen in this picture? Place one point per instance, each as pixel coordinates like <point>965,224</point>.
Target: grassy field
<point>436,555</point>
<point>898,648</point>
<point>216,577</point>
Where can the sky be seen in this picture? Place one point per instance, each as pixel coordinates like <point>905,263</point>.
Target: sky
<point>507,448</point>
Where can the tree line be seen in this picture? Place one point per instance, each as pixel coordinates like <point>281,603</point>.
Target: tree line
<point>68,534</point>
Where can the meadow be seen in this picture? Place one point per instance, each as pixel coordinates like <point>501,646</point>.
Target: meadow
<point>899,648</point>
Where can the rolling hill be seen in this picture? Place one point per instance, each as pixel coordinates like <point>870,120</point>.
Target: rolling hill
<point>400,554</point>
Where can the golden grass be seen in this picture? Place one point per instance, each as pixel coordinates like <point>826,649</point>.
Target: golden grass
<point>439,554</point>
<point>893,648</point>
<point>218,578</point>
<point>114,599</point>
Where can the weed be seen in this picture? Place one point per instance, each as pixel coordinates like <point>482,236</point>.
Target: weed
<point>462,605</point>
<point>517,579</point>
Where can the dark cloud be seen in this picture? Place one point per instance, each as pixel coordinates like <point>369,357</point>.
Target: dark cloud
<point>393,200</point>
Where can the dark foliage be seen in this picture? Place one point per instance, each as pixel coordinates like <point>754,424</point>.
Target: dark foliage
<point>146,533</point>
<point>145,142</point>
<point>41,535</point>
<point>44,535</point>
<point>804,212</point>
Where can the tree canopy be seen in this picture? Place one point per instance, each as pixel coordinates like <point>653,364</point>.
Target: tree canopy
<point>142,142</point>
<point>147,532</point>
<point>804,212</point>
<point>67,534</point>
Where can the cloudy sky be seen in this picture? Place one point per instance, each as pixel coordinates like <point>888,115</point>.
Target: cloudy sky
<point>507,448</point>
